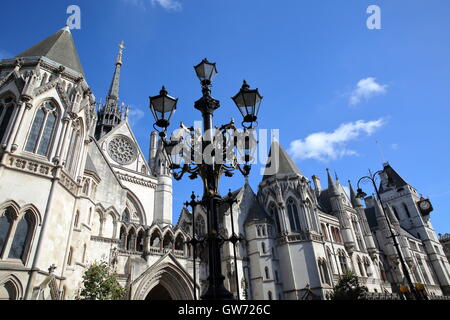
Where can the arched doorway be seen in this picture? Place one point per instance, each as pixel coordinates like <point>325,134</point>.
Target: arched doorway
<point>159,293</point>
<point>9,291</point>
<point>166,281</point>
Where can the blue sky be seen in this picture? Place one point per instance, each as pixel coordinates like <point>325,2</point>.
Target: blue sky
<point>332,86</point>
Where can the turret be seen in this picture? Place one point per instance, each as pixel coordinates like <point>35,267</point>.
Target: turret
<point>382,223</point>
<point>163,192</point>
<point>403,242</point>
<point>317,184</point>
<point>153,148</point>
<point>337,206</point>
<point>367,234</point>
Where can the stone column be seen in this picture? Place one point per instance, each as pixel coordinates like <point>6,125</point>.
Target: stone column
<point>12,144</point>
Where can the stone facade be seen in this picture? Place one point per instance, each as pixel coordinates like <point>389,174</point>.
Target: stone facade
<point>76,188</point>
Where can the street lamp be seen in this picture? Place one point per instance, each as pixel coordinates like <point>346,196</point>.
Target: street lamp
<point>248,102</point>
<point>163,106</point>
<point>209,157</point>
<point>361,194</point>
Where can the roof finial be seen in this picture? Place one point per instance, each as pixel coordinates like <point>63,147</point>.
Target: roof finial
<point>127,110</point>
<point>119,57</point>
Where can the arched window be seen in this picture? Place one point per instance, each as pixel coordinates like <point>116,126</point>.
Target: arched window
<point>200,227</point>
<point>155,240</point>
<point>360,267</point>
<point>83,259</point>
<point>7,107</point>
<point>324,231</point>
<point>123,237</point>
<point>75,148</point>
<point>6,220</point>
<point>274,213</point>
<point>382,272</point>
<point>168,241</point>
<point>77,219</point>
<point>336,235</point>
<point>263,247</point>
<point>140,241</point>
<point>131,240</point>
<point>126,216</point>
<point>405,207</point>
<point>258,231</point>
<point>329,259</point>
<point>22,236</point>
<point>269,295</point>
<point>179,243</point>
<point>396,212</point>
<point>422,268</point>
<point>266,271</point>
<point>294,219</point>
<point>343,261</point>
<point>9,291</point>
<point>69,258</point>
<point>42,130</point>
<point>89,217</point>
<point>323,270</point>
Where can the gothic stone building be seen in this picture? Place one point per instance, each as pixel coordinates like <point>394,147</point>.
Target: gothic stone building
<point>75,188</point>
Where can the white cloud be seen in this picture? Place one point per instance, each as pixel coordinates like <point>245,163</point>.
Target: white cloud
<point>168,4</point>
<point>366,89</point>
<point>135,115</point>
<point>171,5</point>
<point>325,146</point>
<point>394,146</point>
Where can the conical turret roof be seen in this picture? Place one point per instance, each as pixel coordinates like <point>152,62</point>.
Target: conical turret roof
<point>279,163</point>
<point>355,201</point>
<point>59,48</point>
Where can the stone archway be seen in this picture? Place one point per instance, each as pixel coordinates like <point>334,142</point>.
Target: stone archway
<point>159,293</point>
<point>166,282</point>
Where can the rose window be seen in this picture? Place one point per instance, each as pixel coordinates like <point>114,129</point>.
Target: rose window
<point>122,150</point>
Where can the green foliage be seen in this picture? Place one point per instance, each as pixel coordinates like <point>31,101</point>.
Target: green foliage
<point>100,283</point>
<point>348,288</point>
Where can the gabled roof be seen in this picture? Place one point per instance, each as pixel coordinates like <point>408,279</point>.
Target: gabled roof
<point>90,167</point>
<point>393,177</point>
<point>283,165</point>
<point>59,48</point>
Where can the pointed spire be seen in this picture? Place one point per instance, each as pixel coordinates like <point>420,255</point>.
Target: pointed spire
<point>59,48</point>
<point>355,201</point>
<point>331,186</point>
<point>280,163</point>
<point>119,57</point>
<point>113,94</point>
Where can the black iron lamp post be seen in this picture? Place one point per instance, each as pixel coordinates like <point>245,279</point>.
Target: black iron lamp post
<point>361,194</point>
<point>209,156</point>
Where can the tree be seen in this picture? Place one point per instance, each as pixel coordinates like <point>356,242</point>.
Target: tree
<point>348,288</point>
<point>100,283</point>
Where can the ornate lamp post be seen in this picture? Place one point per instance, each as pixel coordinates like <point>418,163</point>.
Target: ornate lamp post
<point>209,156</point>
<point>361,194</point>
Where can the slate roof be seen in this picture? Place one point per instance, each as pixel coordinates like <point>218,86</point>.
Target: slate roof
<point>90,165</point>
<point>324,201</point>
<point>394,178</point>
<point>59,48</point>
<point>285,164</point>
<point>257,212</point>
<point>371,217</point>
